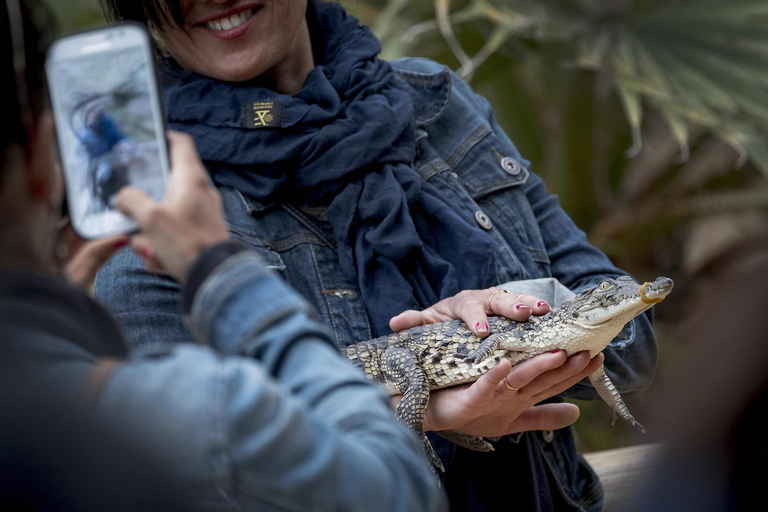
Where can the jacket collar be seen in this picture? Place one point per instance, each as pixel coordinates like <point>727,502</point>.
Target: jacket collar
<point>431,93</point>
<point>48,305</point>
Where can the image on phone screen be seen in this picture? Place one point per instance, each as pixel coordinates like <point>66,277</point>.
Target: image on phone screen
<point>107,133</point>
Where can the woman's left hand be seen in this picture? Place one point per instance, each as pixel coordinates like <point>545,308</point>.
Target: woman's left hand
<point>474,306</point>
<point>81,259</point>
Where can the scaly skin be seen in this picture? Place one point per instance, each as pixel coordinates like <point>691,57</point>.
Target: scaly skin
<point>436,356</point>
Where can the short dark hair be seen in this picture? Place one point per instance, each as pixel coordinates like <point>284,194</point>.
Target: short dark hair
<point>23,67</point>
<point>153,13</point>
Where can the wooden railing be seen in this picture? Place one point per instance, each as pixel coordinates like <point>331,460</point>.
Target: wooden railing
<point>621,472</point>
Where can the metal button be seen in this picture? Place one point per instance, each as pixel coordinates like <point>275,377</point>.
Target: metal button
<point>511,166</point>
<point>483,220</point>
<point>548,435</point>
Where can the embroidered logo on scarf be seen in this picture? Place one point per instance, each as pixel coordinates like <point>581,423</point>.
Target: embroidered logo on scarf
<point>263,114</point>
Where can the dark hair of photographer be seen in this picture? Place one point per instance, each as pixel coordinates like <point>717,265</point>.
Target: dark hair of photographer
<point>23,77</point>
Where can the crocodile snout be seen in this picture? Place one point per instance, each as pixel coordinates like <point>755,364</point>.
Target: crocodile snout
<point>657,290</point>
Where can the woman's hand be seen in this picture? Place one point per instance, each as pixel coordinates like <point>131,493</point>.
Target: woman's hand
<point>488,408</point>
<point>474,307</point>
<point>190,218</point>
<point>80,259</point>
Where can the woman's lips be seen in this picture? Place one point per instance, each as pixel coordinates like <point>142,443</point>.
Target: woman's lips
<point>232,26</point>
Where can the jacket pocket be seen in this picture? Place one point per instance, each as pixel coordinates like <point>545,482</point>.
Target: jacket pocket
<point>270,257</point>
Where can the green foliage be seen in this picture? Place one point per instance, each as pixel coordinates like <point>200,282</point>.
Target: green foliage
<point>612,100</point>
<point>76,15</point>
<point>648,118</point>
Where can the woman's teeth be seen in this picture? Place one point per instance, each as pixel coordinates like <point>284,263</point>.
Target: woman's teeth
<point>233,21</point>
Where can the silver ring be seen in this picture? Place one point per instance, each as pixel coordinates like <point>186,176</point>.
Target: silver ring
<point>510,387</point>
<point>494,293</point>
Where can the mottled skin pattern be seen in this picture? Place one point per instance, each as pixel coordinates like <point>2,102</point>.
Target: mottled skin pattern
<point>441,355</point>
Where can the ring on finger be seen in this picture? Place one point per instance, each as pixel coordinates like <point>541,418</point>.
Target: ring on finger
<point>494,293</point>
<point>510,387</point>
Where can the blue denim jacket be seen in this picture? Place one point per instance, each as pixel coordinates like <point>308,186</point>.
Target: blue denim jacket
<point>297,430</point>
<point>464,153</point>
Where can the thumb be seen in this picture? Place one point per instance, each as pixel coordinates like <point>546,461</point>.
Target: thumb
<point>546,417</point>
<point>137,205</point>
<point>405,320</point>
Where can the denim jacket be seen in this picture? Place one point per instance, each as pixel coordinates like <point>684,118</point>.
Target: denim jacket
<point>271,419</point>
<point>464,153</point>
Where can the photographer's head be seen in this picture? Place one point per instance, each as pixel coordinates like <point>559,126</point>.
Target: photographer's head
<point>31,189</point>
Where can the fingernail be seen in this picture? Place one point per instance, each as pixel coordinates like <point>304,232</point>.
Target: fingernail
<point>481,327</point>
<point>521,306</point>
<point>147,252</point>
<point>120,243</point>
<point>542,303</point>
<point>556,351</point>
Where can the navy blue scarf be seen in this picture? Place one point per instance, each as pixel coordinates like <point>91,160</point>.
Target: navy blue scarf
<point>345,141</point>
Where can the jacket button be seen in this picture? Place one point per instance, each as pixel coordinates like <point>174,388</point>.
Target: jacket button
<point>511,166</point>
<point>548,435</point>
<point>483,220</point>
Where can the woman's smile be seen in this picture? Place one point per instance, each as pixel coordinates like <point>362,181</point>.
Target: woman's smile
<point>230,24</point>
<point>239,40</point>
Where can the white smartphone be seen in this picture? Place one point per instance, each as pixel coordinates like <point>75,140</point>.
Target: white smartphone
<point>109,123</point>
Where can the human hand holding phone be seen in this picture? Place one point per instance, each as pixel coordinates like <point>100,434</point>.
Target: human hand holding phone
<point>172,234</point>
<point>79,259</point>
<point>109,123</point>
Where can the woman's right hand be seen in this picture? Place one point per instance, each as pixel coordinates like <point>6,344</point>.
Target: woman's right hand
<point>489,408</point>
<point>190,218</point>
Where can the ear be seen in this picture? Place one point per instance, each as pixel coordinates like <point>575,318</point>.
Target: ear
<point>44,178</point>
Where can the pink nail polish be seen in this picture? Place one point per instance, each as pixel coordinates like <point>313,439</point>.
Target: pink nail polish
<point>147,252</point>
<point>481,327</point>
<point>521,306</point>
<point>542,303</point>
<point>556,351</point>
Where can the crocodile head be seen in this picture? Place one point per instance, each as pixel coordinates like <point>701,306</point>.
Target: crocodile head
<point>614,301</point>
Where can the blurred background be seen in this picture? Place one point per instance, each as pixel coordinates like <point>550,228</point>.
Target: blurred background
<point>648,118</point>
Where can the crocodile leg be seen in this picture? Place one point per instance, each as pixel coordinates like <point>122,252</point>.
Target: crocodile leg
<point>611,396</point>
<point>400,368</point>
<point>477,444</point>
<point>486,348</point>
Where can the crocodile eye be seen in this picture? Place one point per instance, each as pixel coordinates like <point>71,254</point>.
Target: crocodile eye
<point>604,285</point>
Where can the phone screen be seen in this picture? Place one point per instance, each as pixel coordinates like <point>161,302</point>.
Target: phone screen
<point>109,134</point>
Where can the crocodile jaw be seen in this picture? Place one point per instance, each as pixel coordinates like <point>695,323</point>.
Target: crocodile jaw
<point>619,304</point>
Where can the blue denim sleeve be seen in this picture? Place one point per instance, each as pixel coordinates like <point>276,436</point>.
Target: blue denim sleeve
<point>630,359</point>
<point>290,427</point>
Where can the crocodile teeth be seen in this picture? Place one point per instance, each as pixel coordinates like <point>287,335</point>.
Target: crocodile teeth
<point>231,22</point>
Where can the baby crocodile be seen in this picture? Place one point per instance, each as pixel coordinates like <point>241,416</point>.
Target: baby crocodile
<point>440,355</point>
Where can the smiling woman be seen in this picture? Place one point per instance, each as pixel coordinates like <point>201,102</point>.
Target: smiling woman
<point>387,194</point>
<point>233,41</point>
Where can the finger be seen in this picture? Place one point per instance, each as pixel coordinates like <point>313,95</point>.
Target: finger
<point>571,381</point>
<point>538,306</point>
<point>137,205</point>
<point>405,320</point>
<point>142,247</point>
<point>505,303</point>
<point>82,268</point>
<point>470,306</point>
<point>546,417</point>
<point>525,372</point>
<point>185,162</point>
<point>68,239</point>
<point>413,318</point>
<point>572,366</point>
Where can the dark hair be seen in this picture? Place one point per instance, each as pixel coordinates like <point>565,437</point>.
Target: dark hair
<point>153,13</point>
<point>23,67</point>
